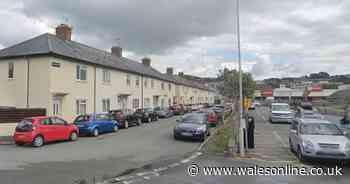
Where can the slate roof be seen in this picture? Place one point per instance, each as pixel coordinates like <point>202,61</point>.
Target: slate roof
<point>49,44</point>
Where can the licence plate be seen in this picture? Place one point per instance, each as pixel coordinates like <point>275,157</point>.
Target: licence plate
<point>186,134</point>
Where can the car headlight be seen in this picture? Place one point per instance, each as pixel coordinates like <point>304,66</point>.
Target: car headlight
<point>308,146</point>
<point>200,129</point>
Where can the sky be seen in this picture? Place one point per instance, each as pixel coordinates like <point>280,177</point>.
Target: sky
<point>279,38</point>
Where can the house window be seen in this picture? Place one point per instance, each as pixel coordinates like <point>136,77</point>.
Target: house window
<point>152,83</point>
<point>106,76</point>
<point>106,105</point>
<point>137,82</point>
<point>169,86</point>
<point>128,80</point>
<point>146,83</point>
<point>81,72</point>
<point>162,85</point>
<point>56,65</point>
<point>11,70</point>
<point>135,103</point>
<point>81,106</point>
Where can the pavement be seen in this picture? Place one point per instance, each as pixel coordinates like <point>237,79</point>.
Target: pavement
<point>92,158</point>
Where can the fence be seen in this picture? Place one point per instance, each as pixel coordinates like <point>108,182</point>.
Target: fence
<point>12,115</point>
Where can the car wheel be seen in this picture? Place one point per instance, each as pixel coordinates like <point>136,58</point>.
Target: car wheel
<point>38,141</point>
<point>139,122</point>
<point>115,128</point>
<point>95,132</point>
<point>73,136</point>
<point>126,124</point>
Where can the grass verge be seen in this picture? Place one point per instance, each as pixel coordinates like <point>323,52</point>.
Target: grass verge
<point>219,142</point>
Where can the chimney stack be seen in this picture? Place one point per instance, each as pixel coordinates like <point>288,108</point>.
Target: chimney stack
<point>170,71</point>
<point>146,61</point>
<point>117,51</point>
<point>181,74</point>
<point>64,32</point>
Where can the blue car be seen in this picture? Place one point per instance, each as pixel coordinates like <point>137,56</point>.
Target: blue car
<point>95,124</point>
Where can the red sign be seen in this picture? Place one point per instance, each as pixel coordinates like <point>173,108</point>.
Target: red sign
<point>316,87</point>
<point>267,92</point>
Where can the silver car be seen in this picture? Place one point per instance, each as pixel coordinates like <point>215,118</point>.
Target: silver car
<point>280,112</point>
<point>316,138</point>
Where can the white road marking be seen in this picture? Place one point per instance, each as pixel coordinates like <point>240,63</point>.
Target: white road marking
<point>174,165</point>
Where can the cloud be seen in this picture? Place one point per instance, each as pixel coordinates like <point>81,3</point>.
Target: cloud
<point>279,38</point>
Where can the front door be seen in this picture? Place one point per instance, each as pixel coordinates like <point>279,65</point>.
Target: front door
<point>57,106</point>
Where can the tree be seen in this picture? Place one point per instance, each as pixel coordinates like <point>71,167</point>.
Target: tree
<point>319,75</point>
<point>230,85</point>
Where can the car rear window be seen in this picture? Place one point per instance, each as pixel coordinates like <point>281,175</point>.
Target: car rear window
<point>103,117</point>
<point>24,125</point>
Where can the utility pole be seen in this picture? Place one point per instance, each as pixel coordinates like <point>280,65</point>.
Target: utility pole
<point>241,119</point>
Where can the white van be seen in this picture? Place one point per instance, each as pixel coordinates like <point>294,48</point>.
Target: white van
<point>280,112</point>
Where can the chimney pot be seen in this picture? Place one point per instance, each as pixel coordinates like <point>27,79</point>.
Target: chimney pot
<point>117,51</point>
<point>64,32</point>
<point>146,61</point>
<point>170,71</point>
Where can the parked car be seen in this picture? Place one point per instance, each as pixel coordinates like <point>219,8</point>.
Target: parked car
<point>193,125</point>
<point>344,123</point>
<point>314,138</point>
<point>125,118</point>
<point>146,115</point>
<point>178,110</point>
<point>164,112</point>
<point>211,115</point>
<point>96,124</point>
<point>280,112</point>
<point>188,108</point>
<point>307,114</point>
<point>40,130</point>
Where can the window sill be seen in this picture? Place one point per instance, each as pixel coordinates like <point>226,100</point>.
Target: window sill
<point>10,79</point>
<point>81,81</point>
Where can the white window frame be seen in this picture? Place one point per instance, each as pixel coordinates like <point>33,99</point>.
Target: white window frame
<point>79,109</point>
<point>169,86</point>
<point>106,76</point>
<point>106,105</point>
<point>128,79</point>
<point>137,81</point>
<point>11,74</point>
<point>79,69</point>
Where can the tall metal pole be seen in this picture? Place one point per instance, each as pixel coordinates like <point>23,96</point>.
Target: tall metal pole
<point>241,120</point>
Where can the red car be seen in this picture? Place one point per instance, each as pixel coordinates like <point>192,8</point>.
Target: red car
<point>40,130</point>
<point>212,118</point>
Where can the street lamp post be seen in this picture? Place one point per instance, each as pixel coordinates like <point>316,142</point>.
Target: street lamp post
<point>241,119</point>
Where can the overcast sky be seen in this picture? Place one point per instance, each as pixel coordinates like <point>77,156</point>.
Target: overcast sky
<point>279,37</point>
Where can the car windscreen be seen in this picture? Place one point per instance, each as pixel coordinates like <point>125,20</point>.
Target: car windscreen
<point>320,129</point>
<point>148,109</point>
<point>194,119</point>
<point>280,108</point>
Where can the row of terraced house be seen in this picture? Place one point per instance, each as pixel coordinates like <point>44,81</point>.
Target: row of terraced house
<point>69,78</point>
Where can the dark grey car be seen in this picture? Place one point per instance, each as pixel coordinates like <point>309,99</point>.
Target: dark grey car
<point>193,126</point>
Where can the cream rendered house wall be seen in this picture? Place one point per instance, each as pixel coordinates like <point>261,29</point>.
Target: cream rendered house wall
<point>117,86</point>
<point>13,92</point>
<point>63,82</point>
